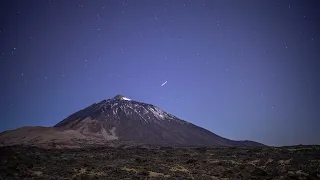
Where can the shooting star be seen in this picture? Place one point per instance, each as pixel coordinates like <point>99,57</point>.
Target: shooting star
<point>164,83</point>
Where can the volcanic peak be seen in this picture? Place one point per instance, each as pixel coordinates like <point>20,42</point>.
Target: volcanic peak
<point>121,97</point>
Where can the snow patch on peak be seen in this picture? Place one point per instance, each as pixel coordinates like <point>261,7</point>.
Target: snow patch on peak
<point>127,99</point>
<point>121,97</point>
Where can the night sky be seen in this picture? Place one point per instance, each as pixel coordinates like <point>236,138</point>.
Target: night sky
<point>241,69</point>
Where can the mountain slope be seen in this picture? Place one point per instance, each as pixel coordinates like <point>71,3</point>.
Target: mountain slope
<point>121,118</point>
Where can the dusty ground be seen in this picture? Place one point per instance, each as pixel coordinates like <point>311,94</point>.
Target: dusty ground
<point>165,163</point>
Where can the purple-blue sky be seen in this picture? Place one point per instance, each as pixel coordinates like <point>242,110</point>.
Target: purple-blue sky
<point>241,69</point>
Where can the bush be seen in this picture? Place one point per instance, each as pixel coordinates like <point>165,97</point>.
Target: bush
<point>191,161</point>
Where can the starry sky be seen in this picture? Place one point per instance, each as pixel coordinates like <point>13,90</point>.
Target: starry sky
<point>241,69</point>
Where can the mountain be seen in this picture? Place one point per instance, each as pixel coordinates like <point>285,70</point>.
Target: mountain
<point>119,120</point>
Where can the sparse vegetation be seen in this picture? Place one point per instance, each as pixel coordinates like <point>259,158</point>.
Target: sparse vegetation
<point>21,162</point>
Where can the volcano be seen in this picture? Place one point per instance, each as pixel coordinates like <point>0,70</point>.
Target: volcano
<point>119,120</point>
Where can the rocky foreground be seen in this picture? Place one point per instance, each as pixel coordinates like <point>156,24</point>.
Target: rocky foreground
<point>299,162</point>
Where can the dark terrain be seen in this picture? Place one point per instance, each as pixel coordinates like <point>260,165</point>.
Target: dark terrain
<point>296,162</point>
